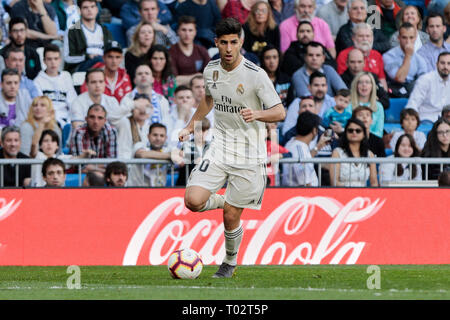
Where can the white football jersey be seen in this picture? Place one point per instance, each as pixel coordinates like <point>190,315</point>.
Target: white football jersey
<point>246,86</point>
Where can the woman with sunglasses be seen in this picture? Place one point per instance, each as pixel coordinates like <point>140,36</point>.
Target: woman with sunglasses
<point>353,144</point>
<point>436,146</point>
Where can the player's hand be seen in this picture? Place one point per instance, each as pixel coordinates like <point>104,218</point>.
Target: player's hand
<point>249,115</point>
<point>183,135</point>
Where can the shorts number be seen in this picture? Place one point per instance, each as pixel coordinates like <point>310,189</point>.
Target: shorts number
<point>204,165</point>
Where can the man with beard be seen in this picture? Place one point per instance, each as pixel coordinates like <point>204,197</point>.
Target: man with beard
<point>363,40</point>
<point>355,64</point>
<point>18,36</point>
<point>431,91</point>
<point>116,174</point>
<point>435,28</point>
<point>305,11</point>
<point>314,61</point>
<point>294,57</point>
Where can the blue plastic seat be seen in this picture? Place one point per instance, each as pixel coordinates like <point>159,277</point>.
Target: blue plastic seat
<point>72,179</point>
<point>118,33</point>
<point>396,106</point>
<point>390,127</point>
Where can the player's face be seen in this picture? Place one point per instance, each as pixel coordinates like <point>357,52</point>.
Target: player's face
<point>405,149</point>
<point>443,66</point>
<point>355,61</point>
<point>96,83</point>
<point>271,60</point>
<point>11,144</point>
<point>49,146</point>
<point>52,60</point>
<point>305,34</point>
<point>229,46</point>
<point>55,176</point>
<point>157,138</point>
<point>112,60</point>
<point>118,179</point>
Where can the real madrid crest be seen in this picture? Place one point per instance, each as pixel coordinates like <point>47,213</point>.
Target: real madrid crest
<point>215,78</point>
<point>240,89</point>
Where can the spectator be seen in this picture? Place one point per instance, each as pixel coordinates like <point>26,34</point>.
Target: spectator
<point>305,11</point>
<point>116,174</point>
<point>446,112</point>
<point>260,29</point>
<point>54,172</point>
<point>56,84</point>
<point>363,92</point>
<point>355,65</point>
<point>67,13</point>
<point>3,25</point>
<point>302,174</point>
<point>376,144</point>
<point>180,113</point>
<point>353,144</point>
<point>153,175</point>
<point>14,102</point>
<point>94,178</point>
<point>132,11</point>
<point>165,81</point>
<point>432,49</point>
<point>117,81</point>
<point>436,146</point>
<point>338,115</point>
<point>444,179</point>
<point>15,59</point>
<point>141,42</point>
<point>238,9</point>
<point>85,40</point>
<point>11,150</point>
<point>95,82</point>
<point>140,108</point>
<point>447,22</point>
<point>188,58</point>
<point>357,12</point>
<point>270,62</point>
<point>402,65</point>
<point>40,18</point>
<point>314,61</point>
<point>282,9</point>
<point>97,135</point>
<point>373,60</point>
<point>41,116</point>
<point>206,13</point>
<point>412,15</point>
<point>335,14</point>
<point>409,120</point>
<point>431,92</point>
<point>197,85</point>
<point>294,57</point>
<point>405,147</point>
<point>389,14</point>
<point>149,12</point>
<point>18,39</point>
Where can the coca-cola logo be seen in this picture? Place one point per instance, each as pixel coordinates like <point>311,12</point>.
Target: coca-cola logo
<point>7,209</point>
<point>284,237</point>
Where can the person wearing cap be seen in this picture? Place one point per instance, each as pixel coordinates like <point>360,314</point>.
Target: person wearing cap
<point>117,81</point>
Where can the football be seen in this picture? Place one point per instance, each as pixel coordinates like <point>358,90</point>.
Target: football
<point>185,264</point>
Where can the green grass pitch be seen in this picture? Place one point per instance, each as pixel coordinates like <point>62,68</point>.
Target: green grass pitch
<point>249,283</point>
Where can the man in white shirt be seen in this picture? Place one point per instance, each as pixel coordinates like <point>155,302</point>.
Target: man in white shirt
<point>181,112</point>
<point>57,85</point>
<point>432,91</point>
<point>95,80</point>
<point>302,174</point>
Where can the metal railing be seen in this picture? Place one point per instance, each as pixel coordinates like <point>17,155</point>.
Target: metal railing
<point>320,162</point>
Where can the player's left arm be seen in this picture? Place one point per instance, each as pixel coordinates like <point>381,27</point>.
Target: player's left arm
<point>274,114</point>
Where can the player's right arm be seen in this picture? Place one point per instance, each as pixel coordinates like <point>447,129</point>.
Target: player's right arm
<point>203,109</point>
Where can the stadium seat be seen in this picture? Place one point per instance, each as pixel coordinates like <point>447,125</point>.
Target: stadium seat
<point>420,4</point>
<point>396,106</point>
<point>391,127</point>
<point>118,33</point>
<point>169,179</point>
<point>65,138</point>
<point>72,179</point>
<point>425,128</point>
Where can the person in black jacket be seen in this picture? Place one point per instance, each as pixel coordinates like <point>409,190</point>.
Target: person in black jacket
<point>357,12</point>
<point>293,58</point>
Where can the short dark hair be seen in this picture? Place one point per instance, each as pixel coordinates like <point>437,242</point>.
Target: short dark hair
<point>409,112</point>
<point>316,74</point>
<point>17,20</point>
<point>51,133</point>
<point>80,2</point>
<point>187,20</point>
<point>343,93</point>
<point>444,178</point>
<point>156,125</point>
<point>116,167</point>
<point>306,122</point>
<point>12,49</point>
<point>305,22</point>
<point>181,88</point>
<point>315,44</point>
<point>434,15</point>
<point>95,106</point>
<point>442,54</point>
<point>10,72</point>
<point>198,76</point>
<point>361,108</point>
<point>51,48</point>
<point>52,162</point>
<point>95,178</point>
<point>228,26</point>
<point>406,25</point>
<point>93,70</point>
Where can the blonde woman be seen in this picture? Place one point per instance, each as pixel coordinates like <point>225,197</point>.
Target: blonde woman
<point>41,116</point>
<point>260,29</point>
<point>141,42</point>
<point>364,92</point>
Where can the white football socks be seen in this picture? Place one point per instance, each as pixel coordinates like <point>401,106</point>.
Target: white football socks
<point>215,201</point>
<point>233,240</point>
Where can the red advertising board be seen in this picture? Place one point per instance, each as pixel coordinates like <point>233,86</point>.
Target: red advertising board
<point>294,226</point>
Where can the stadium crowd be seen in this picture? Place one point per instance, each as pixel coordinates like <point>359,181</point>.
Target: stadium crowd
<point>338,66</point>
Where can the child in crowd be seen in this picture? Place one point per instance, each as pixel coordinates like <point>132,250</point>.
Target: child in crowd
<point>339,113</point>
<point>409,120</point>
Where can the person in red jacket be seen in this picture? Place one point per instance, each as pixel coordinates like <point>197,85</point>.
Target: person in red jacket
<point>118,83</point>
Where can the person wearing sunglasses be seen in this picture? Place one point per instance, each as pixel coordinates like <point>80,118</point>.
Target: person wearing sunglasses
<point>354,143</point>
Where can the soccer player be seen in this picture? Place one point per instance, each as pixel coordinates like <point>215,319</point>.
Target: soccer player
<point>243,98</point>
